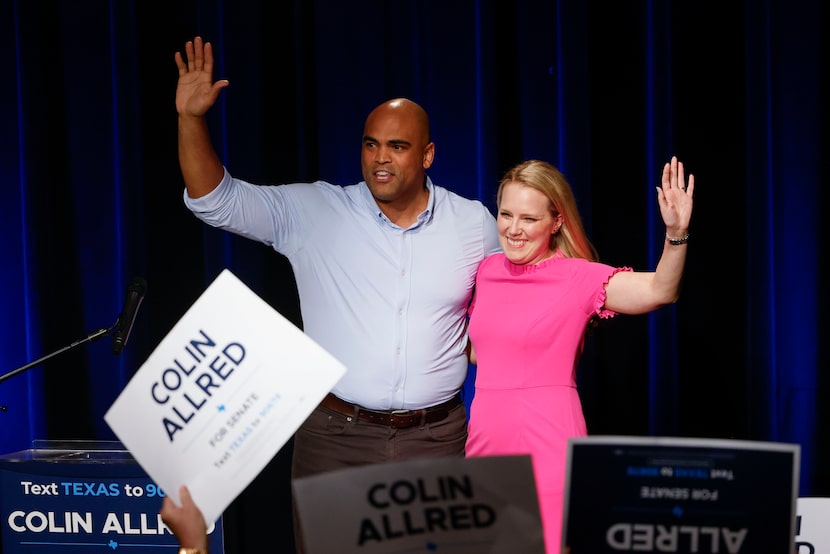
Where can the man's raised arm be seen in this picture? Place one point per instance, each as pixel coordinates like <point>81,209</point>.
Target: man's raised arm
<point>195,94</point>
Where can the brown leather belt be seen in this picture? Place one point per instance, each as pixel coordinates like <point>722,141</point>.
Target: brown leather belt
<point>396,419</point>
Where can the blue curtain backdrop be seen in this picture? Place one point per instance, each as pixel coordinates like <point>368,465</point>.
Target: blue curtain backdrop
<point>607,91</point>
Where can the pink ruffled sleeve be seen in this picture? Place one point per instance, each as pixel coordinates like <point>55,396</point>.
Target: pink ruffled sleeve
<point>599,304</point>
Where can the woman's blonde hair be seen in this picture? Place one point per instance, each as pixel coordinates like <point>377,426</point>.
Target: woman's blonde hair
<point>542,176</point>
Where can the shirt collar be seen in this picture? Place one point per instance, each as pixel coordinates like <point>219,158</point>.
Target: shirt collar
<point>423,217</point>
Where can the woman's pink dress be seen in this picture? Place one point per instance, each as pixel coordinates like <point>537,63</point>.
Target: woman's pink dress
<point>527,324</point>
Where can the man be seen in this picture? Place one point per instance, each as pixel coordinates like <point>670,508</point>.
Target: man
<point>384,270</point>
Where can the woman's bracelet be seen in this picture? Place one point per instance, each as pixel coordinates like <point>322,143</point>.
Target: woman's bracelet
<point>676,242</point>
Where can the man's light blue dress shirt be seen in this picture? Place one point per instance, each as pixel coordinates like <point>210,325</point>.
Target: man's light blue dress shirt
<point>389,303</point>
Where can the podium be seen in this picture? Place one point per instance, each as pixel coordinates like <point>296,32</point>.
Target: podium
<point>83,497</point>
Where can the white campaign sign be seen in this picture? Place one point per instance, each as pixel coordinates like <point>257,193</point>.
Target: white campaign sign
<point>813,529</point>
<point>220,395</point>
<point>448,505</point>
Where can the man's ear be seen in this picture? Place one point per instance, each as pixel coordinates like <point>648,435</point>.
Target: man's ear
<point>429,155</point>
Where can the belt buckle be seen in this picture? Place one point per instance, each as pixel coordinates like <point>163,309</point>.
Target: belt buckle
<point>394,414</point>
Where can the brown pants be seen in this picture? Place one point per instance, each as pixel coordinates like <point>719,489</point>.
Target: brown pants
<point>328,441</point>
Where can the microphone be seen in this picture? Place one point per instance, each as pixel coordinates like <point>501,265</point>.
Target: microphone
<point>132,300</point>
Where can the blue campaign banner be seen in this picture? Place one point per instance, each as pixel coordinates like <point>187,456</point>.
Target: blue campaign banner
<point>83,498</point>
<point>665,494</point>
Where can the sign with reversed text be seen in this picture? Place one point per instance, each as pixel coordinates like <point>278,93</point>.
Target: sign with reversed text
<point>665,494</point>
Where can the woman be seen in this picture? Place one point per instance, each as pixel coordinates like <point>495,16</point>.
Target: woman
<point>532,306</point>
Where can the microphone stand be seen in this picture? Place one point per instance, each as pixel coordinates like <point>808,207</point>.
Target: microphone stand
<point>91,337</point>
<point>121,329</point>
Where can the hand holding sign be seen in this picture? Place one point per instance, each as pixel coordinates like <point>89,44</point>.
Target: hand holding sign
<point>221,394</point>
